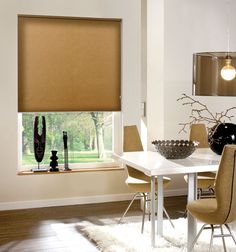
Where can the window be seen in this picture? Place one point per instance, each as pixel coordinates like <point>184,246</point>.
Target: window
<point>90,139</point>
<point>81,72</point>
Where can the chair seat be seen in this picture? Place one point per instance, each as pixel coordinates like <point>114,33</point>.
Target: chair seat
<point>218,212</point>
<point>140,185</point>
<point>206,211</point>
<point>205,180</point>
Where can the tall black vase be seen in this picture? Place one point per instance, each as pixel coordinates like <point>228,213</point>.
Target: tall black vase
<point>220,135</point>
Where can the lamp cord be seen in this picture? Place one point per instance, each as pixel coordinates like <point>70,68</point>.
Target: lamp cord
<point>228,25</point>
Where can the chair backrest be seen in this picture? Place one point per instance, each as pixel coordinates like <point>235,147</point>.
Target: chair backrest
<point>198,132</point>
<point>132,142</point>
<point>225,187</point>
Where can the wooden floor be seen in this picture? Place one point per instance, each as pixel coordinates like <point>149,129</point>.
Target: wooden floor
<point>57,229</point>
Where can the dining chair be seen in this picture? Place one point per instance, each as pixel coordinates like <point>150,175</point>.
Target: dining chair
<point>137,180</point>
<point>205,180</point>
<point>221,210</point>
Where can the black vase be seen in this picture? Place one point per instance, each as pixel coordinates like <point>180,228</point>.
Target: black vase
<point>220,135</point>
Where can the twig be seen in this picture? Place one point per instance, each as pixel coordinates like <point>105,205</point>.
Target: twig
<point>202,113</point>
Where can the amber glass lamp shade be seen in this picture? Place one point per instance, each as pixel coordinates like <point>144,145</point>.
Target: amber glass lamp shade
<point>212,76</point>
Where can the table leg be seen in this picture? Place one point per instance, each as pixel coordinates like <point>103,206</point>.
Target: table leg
<point>160,206</point>
<point>192,195</point>
<point>153,210</point>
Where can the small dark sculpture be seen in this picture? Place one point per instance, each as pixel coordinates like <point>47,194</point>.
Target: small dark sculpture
<point>54,163</point>
<point>39,139</point>
<point>65,138</point>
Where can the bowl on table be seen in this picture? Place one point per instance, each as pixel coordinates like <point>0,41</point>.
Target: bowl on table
<point>175,149</point>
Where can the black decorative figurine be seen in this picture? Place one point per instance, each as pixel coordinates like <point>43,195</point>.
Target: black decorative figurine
<point>54,163</point>
<point>65,138</point>
<point>39,140</point>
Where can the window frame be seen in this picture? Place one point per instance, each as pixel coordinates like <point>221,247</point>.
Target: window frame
<point>116,149</point>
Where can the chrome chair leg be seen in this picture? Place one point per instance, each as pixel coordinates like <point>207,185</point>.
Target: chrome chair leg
<point>144,211</point>
<point>196,238</point>
<point>199,193</point>
<point>231,233</point>
<point>185,214</point>
<point>127,209</point>
<point>212,190</point>
<point>223,238</point>
<point>222,235</point>
<point>167,215</point>
<point>212,236</point>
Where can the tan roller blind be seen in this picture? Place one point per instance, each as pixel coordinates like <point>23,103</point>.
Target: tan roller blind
<point>68,64</point>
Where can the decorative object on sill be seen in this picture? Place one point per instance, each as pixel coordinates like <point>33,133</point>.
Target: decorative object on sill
<point>39,141</point>
<point>54,163</point>
<point>220,133</point>
<point>65,138</point>
<point>207,79</point>
<point>175,149</point>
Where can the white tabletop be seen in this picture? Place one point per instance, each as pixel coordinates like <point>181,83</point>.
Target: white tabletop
<point>153,164</point>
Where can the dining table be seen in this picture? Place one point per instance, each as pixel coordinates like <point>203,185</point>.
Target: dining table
<point>156,166</point>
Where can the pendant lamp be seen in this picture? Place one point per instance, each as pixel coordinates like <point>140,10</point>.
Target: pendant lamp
<point>228,71</point>
<point>207,74</point>
<point>214,72</point>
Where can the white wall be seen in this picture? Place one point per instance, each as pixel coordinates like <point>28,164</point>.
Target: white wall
<point>155,70</point>
<point>176,30</point>
<point>192,26</point>
<point>68,188</point>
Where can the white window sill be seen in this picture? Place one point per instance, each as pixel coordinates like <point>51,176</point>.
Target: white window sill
<point>62,171</point>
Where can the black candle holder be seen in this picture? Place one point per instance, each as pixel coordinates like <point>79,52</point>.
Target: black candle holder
<point>54,163</point>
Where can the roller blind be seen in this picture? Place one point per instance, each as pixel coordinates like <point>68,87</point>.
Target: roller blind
<point>68,64</point>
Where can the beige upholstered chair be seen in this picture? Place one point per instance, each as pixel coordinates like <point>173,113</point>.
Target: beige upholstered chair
<point>219,211</point>
<point>198,133</point>
<point>136,180</point>
<point>205,180</point>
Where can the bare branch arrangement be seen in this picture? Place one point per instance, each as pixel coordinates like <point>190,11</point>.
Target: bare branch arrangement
<point>201,113</point>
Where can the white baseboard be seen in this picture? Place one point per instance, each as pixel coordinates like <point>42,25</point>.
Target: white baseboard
<point>64,201</point>
<point>78,200</point>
